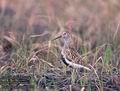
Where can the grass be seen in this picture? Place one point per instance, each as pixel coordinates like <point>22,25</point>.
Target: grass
<point>30,60</point>
<point>27,62</point>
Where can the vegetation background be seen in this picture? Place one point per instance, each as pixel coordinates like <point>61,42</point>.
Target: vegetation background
<point>26,28</point>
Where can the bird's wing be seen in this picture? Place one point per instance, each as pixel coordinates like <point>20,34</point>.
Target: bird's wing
<point>73,56</point>
<point>73,59</point>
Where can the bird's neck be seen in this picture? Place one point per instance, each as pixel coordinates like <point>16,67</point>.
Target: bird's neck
<point>64,48</point>
<point>66,45</point>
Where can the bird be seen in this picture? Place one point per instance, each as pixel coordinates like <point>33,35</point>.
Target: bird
<point>70,56</point>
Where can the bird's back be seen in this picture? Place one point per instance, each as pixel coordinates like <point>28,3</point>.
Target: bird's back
<point>72,55</point>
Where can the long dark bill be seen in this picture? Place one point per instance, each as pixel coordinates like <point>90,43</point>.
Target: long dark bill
<point>57,38</point>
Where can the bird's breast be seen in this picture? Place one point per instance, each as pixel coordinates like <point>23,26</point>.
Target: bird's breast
<point>64,60</point>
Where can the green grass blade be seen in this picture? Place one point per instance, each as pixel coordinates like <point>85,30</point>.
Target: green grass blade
<point>107,55</point>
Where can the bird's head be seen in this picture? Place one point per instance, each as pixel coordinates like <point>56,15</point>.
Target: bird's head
<point>64,36</point>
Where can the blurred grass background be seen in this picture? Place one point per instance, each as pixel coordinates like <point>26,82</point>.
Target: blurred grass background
<point>90,20</point>
<point>28,25</point>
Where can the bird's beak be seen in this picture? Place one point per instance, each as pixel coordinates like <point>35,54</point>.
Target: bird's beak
<point>56,38</point>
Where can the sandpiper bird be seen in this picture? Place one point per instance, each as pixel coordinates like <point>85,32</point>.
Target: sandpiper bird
<point>69,56</point>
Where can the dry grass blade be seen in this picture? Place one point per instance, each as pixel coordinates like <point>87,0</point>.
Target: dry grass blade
<point>38,35</point>
<point>116,31</point>
<point>46,62</point>
<point>3,69</point>
<point>12,41</point>
<point>95,71</point>
<point>26,46</point>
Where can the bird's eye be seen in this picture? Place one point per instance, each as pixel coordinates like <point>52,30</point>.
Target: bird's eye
<point>64,33</point>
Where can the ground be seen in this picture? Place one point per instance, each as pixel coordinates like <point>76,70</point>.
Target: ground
<point>30,61</point>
